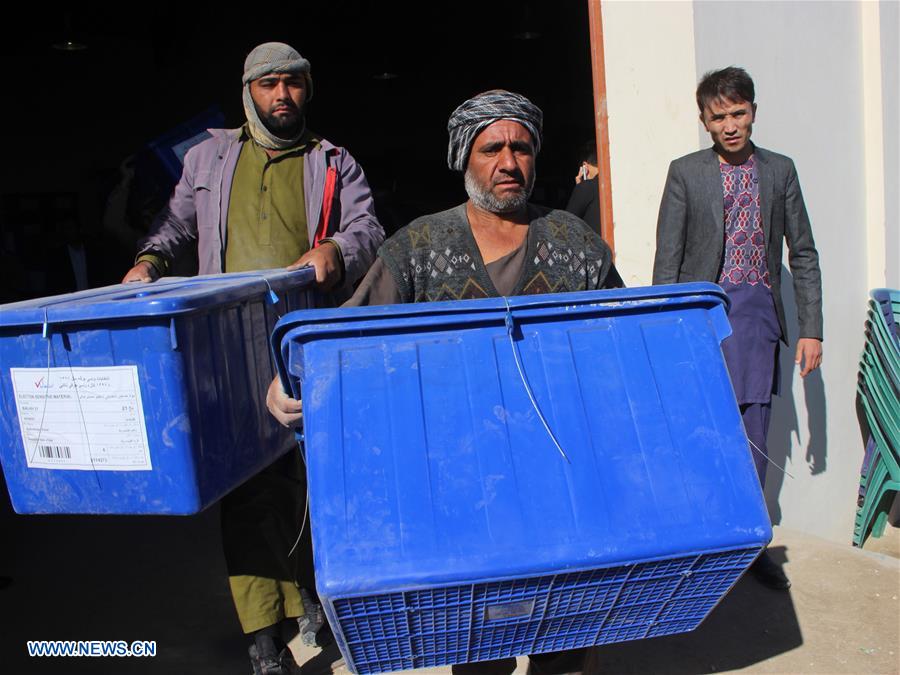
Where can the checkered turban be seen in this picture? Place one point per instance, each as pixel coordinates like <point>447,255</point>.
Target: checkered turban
<point>479,112</point>
<point>272,57</point>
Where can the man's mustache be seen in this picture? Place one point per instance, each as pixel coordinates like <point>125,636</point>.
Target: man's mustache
<point>516,176</point>
<point>288,104</point>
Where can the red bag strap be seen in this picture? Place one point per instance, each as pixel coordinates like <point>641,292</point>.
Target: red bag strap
<point>327,200</point>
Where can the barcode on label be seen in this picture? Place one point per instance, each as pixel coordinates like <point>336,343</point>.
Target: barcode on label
<point>55,451</point>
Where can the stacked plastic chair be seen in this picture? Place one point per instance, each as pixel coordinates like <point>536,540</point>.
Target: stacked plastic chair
<point>878,385</point>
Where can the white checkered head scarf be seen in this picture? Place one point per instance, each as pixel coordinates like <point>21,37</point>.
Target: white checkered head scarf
<point>479,112</point>
<point>267,58</point>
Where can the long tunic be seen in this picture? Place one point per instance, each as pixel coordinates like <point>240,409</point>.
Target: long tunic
<point>752,350</point>
<point>267,210</point>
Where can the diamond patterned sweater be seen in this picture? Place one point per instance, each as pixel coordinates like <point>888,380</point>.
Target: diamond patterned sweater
<point>436,257</point>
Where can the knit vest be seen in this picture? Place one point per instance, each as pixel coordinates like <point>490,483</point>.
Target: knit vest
<point>436,257</point>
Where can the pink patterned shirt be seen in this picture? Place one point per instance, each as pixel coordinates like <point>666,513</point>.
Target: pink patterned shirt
<point>745,243</point>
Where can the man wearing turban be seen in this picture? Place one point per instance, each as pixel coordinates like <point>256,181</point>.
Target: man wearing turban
<point>269,194</point>
<point>495,244</point>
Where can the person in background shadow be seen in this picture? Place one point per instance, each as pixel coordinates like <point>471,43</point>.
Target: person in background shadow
<point>584,201</point>
<point>725,214</point>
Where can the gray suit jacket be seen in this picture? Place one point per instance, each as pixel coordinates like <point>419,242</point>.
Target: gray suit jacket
<point>690,231</point>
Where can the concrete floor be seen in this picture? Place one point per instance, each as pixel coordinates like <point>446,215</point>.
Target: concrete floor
<point>163,579</point>
<point>842,615</point>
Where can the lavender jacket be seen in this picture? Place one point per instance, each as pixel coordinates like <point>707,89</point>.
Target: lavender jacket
<point>198,208</point>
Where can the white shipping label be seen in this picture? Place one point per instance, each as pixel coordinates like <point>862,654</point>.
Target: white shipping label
<point>82,418</point>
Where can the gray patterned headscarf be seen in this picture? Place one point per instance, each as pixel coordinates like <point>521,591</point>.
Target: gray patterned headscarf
<point>473,116</point>
<point>272,57</point>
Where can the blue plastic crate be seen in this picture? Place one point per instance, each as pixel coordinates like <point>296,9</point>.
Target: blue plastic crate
<point>141,398</point>
<point>448,526</point>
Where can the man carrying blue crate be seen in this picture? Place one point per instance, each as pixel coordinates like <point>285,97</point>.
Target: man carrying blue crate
<point>725,214</point>
<point>495,244</point>
<point>239,199</point>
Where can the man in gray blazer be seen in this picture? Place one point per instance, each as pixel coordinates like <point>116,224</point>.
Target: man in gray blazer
<point>724,215</point>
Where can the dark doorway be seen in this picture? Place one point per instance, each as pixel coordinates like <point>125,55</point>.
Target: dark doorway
<point>387,76</point>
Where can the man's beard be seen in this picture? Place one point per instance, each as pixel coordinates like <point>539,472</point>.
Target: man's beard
<point>486,200</point>
<point>285,127</point>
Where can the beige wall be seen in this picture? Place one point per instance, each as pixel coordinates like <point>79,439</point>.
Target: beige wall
<point>889,27</point>
<point>651,117</point>
<point>820,104</point>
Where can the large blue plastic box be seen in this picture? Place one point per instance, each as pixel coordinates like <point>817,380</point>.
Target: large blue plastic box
<point>448,527</point>
<point>141,398</point>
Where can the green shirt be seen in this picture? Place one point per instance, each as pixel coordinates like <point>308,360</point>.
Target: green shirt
<point>267,209</point>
